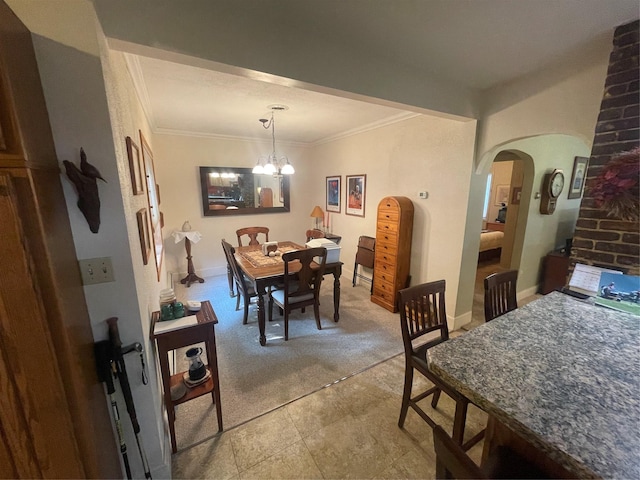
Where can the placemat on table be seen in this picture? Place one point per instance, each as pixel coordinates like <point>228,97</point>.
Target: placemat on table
<point>258,259</point>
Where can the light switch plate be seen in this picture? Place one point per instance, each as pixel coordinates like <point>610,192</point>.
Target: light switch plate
<point>96,270</point>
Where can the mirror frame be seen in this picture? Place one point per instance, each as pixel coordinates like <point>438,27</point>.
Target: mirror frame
<point>204,173</point>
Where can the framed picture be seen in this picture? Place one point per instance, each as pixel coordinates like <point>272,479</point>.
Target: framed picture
<point>135,167</point>
<point>356,189</point>
<point>281,190</point>
<point>502,195</point>
<point>153,197</point>
<point>578,177</point>
<point>334,194</point>
<point>143,233</point>
<point>515,196</point>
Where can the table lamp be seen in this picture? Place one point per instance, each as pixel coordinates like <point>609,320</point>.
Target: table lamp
<point>317,213</point>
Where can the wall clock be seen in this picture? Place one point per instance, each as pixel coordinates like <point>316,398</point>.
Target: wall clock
<point>552,186</point>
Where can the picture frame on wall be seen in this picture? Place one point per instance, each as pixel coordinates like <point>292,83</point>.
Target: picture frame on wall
<point>578,177</point>
<point>356,186</point>
<point>143,233</point>
<point>502,195</point>
<point>334,194</point>
<point>135,167</point>
<point>153,197</point>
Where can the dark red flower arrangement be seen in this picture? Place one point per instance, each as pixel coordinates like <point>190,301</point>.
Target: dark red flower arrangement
<point>617,188</point>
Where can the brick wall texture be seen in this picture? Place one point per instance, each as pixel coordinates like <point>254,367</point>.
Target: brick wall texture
<point>601,240</point>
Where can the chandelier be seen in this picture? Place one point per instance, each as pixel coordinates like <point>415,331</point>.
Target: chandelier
<point>271,164</point>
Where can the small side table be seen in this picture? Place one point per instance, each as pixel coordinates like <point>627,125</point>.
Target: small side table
<point>203,331</point>
<point>189,237</point>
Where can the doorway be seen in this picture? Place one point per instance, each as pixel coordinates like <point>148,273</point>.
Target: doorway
<point>502,212</point>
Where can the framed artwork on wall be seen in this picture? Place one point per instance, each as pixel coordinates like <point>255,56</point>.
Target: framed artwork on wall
<point>356,190</point>
<point>153,196</point>
<point>516,195</point>
<point>135,167</point>
<point>578,177</point>
<point>143,233</point>
<point>502,195</point>
<point>334,194</point>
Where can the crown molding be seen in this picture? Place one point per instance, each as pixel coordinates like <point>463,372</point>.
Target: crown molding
<point>133,64</point>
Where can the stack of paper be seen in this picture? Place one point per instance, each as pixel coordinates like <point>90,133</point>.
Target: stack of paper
<point>170,325</point>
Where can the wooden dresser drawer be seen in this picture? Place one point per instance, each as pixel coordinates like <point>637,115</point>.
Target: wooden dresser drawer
<point>386,258</point>
<point>387,238</point>
<point>384,296</point>
<point>388,215</point>
<point>386,252</point>
<point>384,275</point>
<point>386,227</point>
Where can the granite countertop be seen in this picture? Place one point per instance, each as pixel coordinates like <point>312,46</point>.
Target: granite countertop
<point>563,373</point>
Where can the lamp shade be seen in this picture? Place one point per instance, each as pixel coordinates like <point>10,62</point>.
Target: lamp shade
<point>317,212</point>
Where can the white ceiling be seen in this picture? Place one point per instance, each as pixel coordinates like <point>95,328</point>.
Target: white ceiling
<point>479,43</point>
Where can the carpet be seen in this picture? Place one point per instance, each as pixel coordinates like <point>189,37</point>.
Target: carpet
<point>256,379</point>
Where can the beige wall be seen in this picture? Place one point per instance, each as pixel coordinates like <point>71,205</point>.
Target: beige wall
<point>178,159</point>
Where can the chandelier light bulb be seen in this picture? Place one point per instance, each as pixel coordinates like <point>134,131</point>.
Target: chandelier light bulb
<point>272,166</point>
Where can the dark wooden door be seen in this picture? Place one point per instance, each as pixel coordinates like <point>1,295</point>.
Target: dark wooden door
<point>55,421</point>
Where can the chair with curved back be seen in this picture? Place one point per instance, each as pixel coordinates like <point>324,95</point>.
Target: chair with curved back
<point>422,314</point>
<point>501,462</point>
<point>314,233</point>
<point>245,290</point>
<point>301,284</point>
<point>500,294</point>
<point>252,233</point>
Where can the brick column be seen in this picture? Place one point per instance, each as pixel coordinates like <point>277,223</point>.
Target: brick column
<point>601,240</point>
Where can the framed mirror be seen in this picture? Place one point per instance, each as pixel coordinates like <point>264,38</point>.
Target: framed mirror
<point>237,191</point>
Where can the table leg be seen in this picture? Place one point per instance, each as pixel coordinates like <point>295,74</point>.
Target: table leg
<point>261,291</point>
<point>336,293</point>
<point>212,359</point>
<point>191,274</point>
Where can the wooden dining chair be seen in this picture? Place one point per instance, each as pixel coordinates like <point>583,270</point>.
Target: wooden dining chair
<point>422,315</point>
<point>502,462</point>
<point>252,233</point>
<point>314,233</point>
<point>500,294</point>
<point>245,289</point>
<point>301,286</point>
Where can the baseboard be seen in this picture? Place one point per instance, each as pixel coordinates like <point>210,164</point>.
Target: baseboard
<point>456,323</point>
<point>528,292</point>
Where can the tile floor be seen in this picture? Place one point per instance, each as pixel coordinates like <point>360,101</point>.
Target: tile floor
<point>347,430</point>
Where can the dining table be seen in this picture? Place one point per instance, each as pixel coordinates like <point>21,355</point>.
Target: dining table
<point>265,272</point>
<point>562,376</point>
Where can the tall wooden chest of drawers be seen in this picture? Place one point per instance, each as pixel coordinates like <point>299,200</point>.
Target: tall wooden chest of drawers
<point>393,250</point>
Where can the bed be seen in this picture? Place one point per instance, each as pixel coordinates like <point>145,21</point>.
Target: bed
<point>490,245</point>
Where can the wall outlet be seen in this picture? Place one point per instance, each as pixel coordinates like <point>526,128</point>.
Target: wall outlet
<point>423,194</point>
<point>96,270</point>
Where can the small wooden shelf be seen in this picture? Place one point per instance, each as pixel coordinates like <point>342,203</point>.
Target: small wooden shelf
<point>203,331</point>
<point>192,392</point>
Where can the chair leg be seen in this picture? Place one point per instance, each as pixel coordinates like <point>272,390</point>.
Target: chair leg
<point>270,307</point>
<point>230,279</point>
<point>286,324</point>
<point>435,398</point>
<point>247,301</point>
<point>238,302</point>
<point>316,311</point>
<point>406,394</point>
<point>355,274</point>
